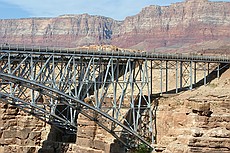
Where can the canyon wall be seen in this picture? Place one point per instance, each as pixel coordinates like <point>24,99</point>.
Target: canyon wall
<point>196,120</point>
<point>192,21</point>
<point>64,30</point>
<point>20,132</point>
<point>24,133</point>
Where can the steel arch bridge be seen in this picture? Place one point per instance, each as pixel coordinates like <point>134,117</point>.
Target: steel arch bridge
<point>114,88</point>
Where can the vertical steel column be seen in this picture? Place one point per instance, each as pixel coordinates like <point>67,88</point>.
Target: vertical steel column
<point>176,76</point>
<point>190,75</point>
<point>149,100</point>
<point>61,73</point>
<point>166,76</point>
<point>218,71</point>
<point>205,79</point>
<point>114,90</point>
<point>208,71</point>
<point>87,79</point>
<point>75,114</point>
<point>194,72</point>
<point>181,75</point>
<point>151,77</point>
<point>142,80</point>
<point>116,81</point>
<point>161,82</point>
<point>100,70</point>
<point>9,72</point>
<point>132,94</point>
<point>52,103</point>
<point>32,78</point>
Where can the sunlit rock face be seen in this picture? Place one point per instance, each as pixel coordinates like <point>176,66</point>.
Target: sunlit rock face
<point>191,21</point>
<point>194,121</point>
<point>197,120</point>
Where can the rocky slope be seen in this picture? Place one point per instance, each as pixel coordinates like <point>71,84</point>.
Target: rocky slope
<point>191,21</point>
<point>197,120</point>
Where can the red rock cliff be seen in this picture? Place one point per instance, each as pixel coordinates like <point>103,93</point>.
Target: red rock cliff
<point>191,21</point>
<point>188,22</point>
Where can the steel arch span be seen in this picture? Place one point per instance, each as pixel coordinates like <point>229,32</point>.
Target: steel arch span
<point>114,88</point>
<point>54,87</point>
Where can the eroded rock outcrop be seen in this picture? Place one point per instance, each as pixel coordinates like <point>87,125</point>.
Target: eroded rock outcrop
<point>196,121</point>
<point>20,132</point>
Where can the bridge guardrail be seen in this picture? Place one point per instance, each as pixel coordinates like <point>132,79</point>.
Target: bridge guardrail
<point>124,53</point>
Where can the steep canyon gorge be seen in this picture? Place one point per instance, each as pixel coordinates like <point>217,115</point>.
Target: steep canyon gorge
<point>189,122</point>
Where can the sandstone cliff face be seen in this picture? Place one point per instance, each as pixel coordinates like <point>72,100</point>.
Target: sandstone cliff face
<point>66,30</point>
<point>23,133</point>
<point>196,121</point>
<point>20,132</point>
<point>191,21</point>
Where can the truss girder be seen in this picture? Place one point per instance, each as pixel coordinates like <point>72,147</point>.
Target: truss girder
<point>57,88</point>
<point>112,89</point>
<point>184,73</point>
<point>116,53</point>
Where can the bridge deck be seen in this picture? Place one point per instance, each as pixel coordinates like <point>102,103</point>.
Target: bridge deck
<point>117,54</point>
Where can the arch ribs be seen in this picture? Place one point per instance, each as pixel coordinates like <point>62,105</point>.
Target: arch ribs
<point>113,92</point>
<point>114,89</point>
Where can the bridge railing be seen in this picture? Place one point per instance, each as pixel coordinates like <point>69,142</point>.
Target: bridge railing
<point>124,53</point>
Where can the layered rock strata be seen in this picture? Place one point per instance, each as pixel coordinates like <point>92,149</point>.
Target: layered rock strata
<point>196,121</point>
<point>20,132</point>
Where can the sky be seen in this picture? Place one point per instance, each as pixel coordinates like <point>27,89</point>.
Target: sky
<point>116,9</point>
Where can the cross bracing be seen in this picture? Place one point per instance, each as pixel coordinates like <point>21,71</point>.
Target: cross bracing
<point>114,89</point>
<point>27,80</point>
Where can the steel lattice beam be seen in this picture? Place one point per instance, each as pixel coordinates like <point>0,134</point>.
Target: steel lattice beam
<point>114,89</point>
<point>80,78</point>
